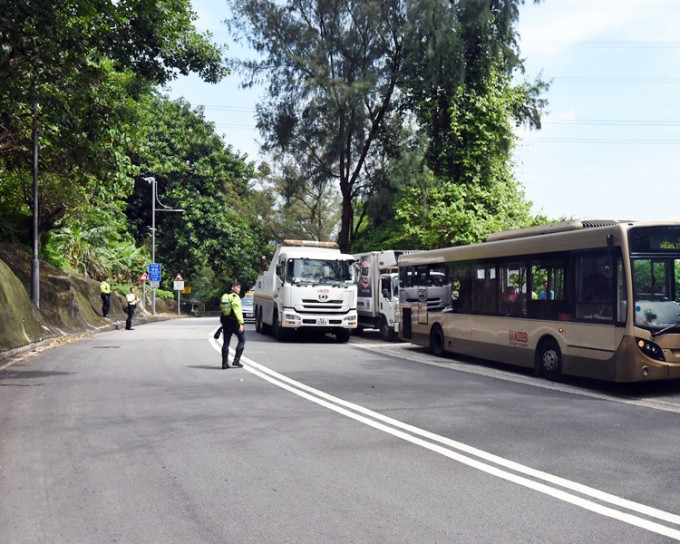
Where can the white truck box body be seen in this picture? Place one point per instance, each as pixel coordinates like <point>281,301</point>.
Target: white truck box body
<point>377,292</point>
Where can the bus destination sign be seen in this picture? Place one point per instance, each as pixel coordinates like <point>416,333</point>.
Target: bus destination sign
<point>662,238</point>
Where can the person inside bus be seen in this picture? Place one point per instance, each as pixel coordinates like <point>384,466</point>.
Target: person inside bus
<point>513,302</point>
<point>543,295</point>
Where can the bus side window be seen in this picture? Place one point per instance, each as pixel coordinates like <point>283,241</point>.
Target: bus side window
<point>547,290</point>
<point>485,290</point>
<point>460,287</point>
<point>407,290</point>
<point>595,276</point>
<point>513,289</point>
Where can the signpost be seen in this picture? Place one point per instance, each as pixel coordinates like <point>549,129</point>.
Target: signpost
<point>179,287</point>
<point>155,280</point>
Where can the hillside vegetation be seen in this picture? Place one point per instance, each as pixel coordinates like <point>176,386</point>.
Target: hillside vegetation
<point>70,304</point>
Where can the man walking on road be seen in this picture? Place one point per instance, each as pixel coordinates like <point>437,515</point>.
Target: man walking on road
<point>131,307</point>
<point>232,323</point>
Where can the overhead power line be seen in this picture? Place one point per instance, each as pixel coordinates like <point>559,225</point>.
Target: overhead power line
<point>617,141</point>
<point>661,44</point>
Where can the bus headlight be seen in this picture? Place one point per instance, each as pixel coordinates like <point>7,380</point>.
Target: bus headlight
<point>650,349</point>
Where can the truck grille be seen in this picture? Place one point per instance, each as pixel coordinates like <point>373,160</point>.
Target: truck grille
<point>311,305</point>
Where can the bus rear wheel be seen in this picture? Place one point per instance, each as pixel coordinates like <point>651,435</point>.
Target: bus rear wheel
<point>437,340</point>
<point>549,359</point>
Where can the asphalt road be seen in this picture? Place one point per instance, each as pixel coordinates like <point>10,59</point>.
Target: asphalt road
<point>139,436</point>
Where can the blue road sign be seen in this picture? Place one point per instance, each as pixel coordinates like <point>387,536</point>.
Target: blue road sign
<point>154,272</point>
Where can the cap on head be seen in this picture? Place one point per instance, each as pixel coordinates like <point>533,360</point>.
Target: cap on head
<point>234,283</point>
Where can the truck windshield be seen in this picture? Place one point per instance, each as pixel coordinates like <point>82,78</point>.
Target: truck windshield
<point>319,271</point>
<point>656,292</point>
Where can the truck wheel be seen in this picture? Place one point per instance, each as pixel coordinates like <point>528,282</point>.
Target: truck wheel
<point>386,332</point>
<point>342,335</point>
<point>278,331</point>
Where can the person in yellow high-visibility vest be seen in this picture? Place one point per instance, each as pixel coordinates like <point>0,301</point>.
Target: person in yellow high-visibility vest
<point>105,290</point>
<point>231,318</point>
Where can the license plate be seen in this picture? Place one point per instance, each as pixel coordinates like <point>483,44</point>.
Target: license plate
<point>323,321</point>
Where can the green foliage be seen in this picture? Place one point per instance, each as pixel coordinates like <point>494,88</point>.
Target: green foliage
<point>194,172</point>
<point>97,245</point>
<point>333,113</point>
<point>75,70</point>
<point>166,295</point>
<point>480,196</point>
<point>333,69</point>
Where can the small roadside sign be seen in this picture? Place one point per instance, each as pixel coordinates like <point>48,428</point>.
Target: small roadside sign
<point>144,276</point>
<point>154,284</point>
<point>179,283</point>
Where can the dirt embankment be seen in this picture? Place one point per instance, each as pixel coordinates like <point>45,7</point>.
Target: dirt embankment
<point>70,304</point>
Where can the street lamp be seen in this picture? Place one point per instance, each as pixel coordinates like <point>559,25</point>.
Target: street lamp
<point>163,208</point>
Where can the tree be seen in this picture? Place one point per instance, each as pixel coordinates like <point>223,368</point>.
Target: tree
<point>480,195</point>
<point>76,68</point>
<point>346,76</point>
<point>219,234</point>
<point>333,68</point>
<point>472,190</point>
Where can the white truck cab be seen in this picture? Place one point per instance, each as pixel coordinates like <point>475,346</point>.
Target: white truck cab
<point>309,285</point>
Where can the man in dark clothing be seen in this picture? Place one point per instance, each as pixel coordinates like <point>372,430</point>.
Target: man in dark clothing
<point>232,323</point>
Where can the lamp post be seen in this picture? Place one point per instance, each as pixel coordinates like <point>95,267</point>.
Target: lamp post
<point>35,262</point>
<point>154,198</point>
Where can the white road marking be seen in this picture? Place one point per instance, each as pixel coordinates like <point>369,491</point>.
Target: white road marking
<point>489,463</point>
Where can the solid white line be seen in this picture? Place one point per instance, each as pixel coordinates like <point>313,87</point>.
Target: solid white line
<point>410,434</point>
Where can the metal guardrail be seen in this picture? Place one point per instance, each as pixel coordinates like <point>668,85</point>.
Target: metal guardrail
<point>211,313</point>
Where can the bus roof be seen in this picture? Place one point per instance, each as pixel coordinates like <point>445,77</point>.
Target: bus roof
<point>562,226</point>
<point>554,237</point>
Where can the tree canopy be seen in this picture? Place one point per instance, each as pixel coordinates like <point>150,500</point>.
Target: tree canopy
<point>75,69</point>
<point>218,233</point>
<point>344,77</point>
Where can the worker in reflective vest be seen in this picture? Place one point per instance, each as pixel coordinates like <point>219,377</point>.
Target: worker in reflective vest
<point>105,290</point>
<point>231,318</point>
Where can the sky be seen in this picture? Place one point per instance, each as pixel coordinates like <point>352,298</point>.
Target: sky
<point>609,146</point>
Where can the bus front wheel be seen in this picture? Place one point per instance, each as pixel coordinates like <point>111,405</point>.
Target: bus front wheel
<point>549,359</point>
<point>437,340</point>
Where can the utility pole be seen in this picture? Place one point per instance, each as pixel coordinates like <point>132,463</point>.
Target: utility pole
<point>163,208</point>
<point>35,262</point>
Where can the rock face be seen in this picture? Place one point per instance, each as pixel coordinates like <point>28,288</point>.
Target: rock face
<point>69,303</point>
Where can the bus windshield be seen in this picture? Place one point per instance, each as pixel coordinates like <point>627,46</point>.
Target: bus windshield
<point>656,292</point>
<point>318,271</point>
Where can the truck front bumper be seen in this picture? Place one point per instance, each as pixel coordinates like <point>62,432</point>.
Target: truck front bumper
<point>293,320</point>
